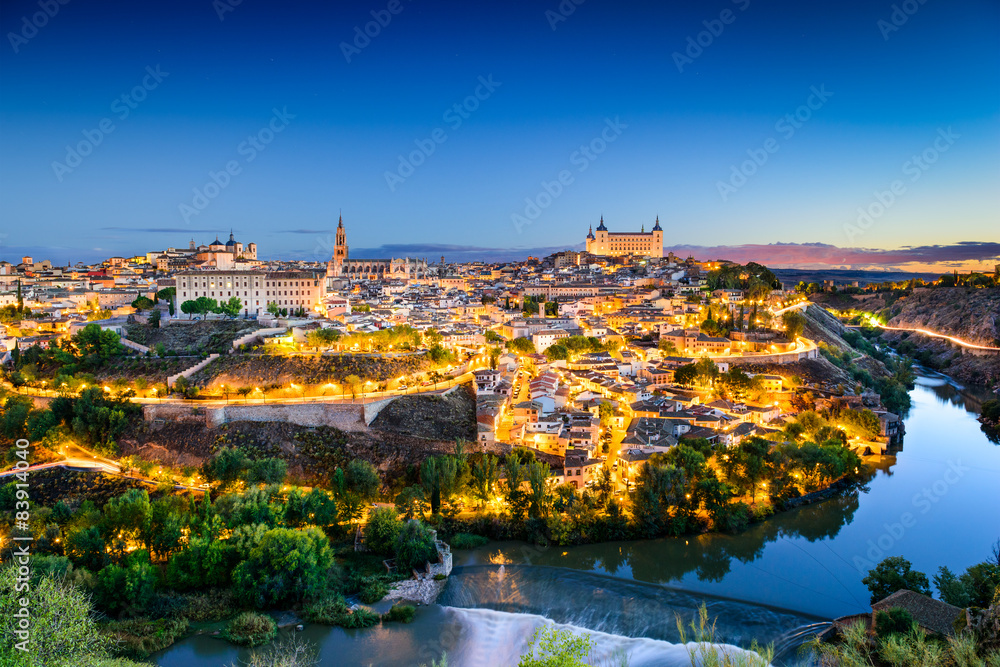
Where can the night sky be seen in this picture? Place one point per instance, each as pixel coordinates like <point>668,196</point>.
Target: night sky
<point>133,126</point>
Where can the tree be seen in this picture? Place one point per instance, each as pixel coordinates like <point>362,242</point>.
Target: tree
<point>267,471</point>
<point>381,530</point>
<point>322,338</point>
<point>355,383</point>
<point>861,423</point>
<point>361,478</point>
<point>537,474</point>
<point>411,502</point>
<point>667,347</point>
<point>142,303</point>
<point>414,546</point>
<point>230,308</point>
<point>976,587</point>
<point>133,585</point>
<point>521,346</point>
<point>95,345</point>
<point>893,574</point>
<point>686,375</point>
<point>226,466</point>
<point>485,474</point>
<point>63,626</point>
<point>154,319</point>
<point>795,323</point>
<point>285,567</point>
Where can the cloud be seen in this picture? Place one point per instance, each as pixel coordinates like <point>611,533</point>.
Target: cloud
<point>811,255</point>
<point>162,230</point>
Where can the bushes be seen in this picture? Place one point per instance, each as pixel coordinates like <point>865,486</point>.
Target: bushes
<point>381,530</point>
<point>467,541</point>
<point>414,546</point>
<point>373,589</point>
<point>333,610</point>
<point>285,566</point>
<point>893,621</point>
<point>138,638</point>
<point>402,613</point>
<point>251,629</point>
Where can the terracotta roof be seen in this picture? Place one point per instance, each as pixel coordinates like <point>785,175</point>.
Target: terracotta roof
<point>930,614</point>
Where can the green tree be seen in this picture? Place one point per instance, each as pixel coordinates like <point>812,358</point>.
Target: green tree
<point>226,466</point>
<point>267,471</point>
<point>230,308</point>
<point>893,574</point>
<point>142,303</point>
<point>522,346</point>
<point>795,323</point>
<point>285,567</point>
<point>64,631</point>
<point>485,475</point>
<point>131,586</point>
<point>414,546</point>
<point>95,345</point>
<point>411,502</point>
<point>361,478</point>
<point>381,530</point>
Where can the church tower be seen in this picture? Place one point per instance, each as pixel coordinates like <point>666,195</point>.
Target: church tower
<point>340,244</point>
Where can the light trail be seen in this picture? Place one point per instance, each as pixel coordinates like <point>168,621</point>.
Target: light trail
<point>957,341</point>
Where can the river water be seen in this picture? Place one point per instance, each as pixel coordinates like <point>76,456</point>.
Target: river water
<point>779,582</point>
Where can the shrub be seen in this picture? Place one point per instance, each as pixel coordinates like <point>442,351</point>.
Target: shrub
<point>414,546</point>
<point>467,541</point>
<point>402,613</point>
<point>251,629</point>
<point>327,611</point>
<point>440,577</point>
<point>893,621</point>
<point>291,651</point>
<point>360,618</point>
<point>373,589</point>
<point>381,530</point>
<point>138,638</point>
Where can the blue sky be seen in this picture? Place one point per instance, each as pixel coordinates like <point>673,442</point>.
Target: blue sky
<point>556,81</point>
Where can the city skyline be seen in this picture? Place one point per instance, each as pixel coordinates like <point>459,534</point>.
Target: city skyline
<point>860,136</point>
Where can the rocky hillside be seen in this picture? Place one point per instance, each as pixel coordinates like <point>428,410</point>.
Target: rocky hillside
<point>970,314</point>
<point>432,417</point>
<point>823,327</point>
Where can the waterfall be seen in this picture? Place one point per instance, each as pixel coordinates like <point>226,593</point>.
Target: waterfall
<point>496,639</point>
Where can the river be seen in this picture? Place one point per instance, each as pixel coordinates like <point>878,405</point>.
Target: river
<point>778,582</point>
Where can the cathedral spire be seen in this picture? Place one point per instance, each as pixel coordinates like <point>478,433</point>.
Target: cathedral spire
<point>656,227</point>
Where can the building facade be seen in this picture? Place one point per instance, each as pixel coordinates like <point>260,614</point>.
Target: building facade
<point>620,244</point>
<point>342,266</point>
<point>255,289</point>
